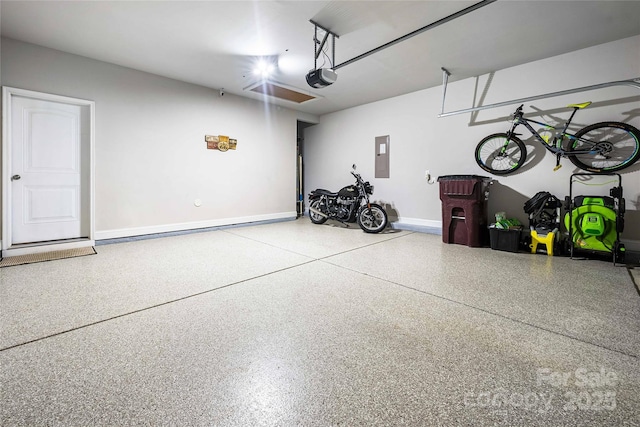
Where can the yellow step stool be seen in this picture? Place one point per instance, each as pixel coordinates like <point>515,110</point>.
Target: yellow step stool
<point>546,240</point>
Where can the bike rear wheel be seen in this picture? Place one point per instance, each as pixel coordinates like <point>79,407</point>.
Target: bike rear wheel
<point>316,218</point>
<point>614,146</point>
<point>500,154</point>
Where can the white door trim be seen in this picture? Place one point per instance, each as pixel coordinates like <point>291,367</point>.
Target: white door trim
<point>12,250</point>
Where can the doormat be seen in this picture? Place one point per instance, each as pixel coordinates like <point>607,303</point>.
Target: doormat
<point>46,256</point>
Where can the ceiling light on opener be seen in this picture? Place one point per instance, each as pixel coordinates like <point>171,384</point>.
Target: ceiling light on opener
<point>264,69</point>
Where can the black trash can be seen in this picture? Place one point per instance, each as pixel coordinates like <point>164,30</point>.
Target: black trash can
<point>464,209</point>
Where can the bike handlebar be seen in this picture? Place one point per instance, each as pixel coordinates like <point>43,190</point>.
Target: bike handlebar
<point>518,112</point>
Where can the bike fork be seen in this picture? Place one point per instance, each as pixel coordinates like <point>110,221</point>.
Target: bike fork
<point>510,134</point>
<point>503,150</point>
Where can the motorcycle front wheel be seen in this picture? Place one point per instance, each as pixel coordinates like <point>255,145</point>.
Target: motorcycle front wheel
<point>315,218</point>
<point>372,220</point>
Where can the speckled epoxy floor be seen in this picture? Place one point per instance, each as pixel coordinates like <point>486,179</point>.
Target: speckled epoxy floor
<point>295,324</point>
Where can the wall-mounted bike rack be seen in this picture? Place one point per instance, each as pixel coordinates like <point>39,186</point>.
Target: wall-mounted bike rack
<point>445,79</point>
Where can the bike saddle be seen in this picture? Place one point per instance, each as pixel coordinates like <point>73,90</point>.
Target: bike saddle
<point>325,192</point>
<point>583,105</point>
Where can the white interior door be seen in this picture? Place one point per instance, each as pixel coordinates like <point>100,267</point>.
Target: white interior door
<point>49,177</point>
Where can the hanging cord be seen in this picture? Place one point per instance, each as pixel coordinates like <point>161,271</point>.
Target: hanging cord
<point>535,207</point>
<point>538,202</point>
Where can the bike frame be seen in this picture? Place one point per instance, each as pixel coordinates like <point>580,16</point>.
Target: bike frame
<point>555,146</point>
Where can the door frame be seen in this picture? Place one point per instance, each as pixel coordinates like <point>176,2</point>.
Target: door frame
<point>8,249</point>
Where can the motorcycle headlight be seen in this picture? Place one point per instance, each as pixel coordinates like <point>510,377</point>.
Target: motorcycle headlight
<point>368,188</point>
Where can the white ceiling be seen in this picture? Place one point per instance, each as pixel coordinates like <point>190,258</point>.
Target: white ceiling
<point>214,43</point>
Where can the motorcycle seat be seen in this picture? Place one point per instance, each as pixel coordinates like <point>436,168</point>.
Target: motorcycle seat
<point>325,192</point>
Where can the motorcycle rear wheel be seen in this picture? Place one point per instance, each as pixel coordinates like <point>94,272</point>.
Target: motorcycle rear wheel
<point>374,221</point>
<point>315,218</point>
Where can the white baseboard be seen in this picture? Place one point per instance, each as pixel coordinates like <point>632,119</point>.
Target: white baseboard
<point>420,222</point>
<point>168,228</point>
<point>417,224</point>
<point>411,224</point>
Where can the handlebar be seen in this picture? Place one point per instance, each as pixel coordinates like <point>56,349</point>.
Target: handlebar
<point>518,111</point>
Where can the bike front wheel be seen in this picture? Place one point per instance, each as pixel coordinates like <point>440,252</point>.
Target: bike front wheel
<point>500,154</point>
<point>611,146</point>
<point>372,219</point>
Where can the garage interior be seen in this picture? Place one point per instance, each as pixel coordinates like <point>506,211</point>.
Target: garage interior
<point>212,299</point>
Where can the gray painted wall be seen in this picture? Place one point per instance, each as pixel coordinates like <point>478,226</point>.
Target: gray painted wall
<point>151,157</point>
<point>151,161</point>
<point>420,140</point>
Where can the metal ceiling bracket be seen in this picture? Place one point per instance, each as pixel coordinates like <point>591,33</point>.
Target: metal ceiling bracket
<point>445,78</point>
<point>318,45</point>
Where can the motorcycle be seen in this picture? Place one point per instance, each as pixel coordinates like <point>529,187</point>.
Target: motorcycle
<point>350,204</point>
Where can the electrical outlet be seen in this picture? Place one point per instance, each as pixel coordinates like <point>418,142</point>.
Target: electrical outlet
<point>428,177</point>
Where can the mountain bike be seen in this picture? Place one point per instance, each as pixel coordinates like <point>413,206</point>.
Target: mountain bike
<point>599,148</point>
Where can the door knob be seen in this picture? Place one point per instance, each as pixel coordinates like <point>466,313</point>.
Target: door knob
<point>15,177</point>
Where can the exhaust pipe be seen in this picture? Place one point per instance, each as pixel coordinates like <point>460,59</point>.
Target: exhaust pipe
<point>317,212</point>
